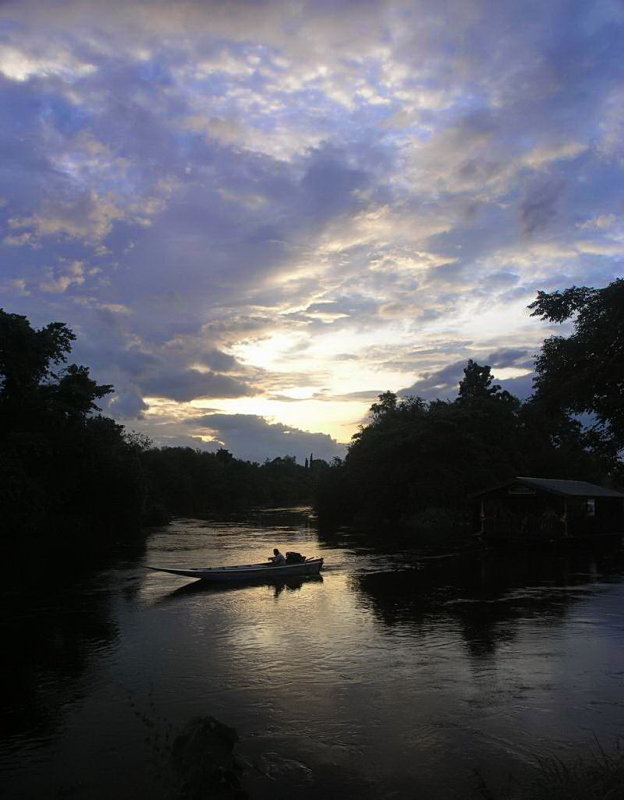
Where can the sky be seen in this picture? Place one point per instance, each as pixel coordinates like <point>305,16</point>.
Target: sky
<point>257,216</point>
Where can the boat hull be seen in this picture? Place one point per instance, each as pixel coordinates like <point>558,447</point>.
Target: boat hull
<point>248,572</point>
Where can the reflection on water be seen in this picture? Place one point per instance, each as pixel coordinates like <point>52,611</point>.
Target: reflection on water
<point>396,673</point>
<point>488,594</point>
<point>206,588</point>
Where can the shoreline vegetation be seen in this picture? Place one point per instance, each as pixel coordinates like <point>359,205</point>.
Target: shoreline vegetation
<point>66,469</point>
<point>599,775</point>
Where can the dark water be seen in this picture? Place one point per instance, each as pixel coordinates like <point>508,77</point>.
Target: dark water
<point>397,675</point>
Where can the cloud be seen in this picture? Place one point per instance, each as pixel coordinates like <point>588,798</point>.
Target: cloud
<point>190,384</point>
<point>234,200</point>
<point>440,384</point>
<point>329,184</point>
<point>254,439</point>
<point>444,383</point>
<point>510,357</point>
<point>65,276</point>
<point>126,404</point>
<point>539,207</point>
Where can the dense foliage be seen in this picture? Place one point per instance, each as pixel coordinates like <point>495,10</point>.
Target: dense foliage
<point>417,463</point>
<point>584,372</point>
<point>183,481</point>
<point>71,478</point>
<point>62,465</point>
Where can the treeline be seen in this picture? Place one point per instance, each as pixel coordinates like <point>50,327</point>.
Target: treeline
<point>71,478</point>
<point>417,462</point>
<point>182,481</point>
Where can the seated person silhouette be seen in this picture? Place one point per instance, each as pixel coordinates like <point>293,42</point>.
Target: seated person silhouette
<point>277,558</point>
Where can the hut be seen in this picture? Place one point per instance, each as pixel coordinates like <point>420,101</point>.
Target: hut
<point>527,510</point>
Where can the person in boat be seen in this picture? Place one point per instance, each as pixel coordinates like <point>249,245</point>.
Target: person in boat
<point>277,558</point>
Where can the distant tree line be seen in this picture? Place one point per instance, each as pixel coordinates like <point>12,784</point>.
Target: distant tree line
<point>71,478</point>
<point>417,462</point>
<point>182,481</point>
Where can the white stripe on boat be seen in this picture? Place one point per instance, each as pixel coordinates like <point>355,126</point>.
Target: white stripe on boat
<point>311,566</point>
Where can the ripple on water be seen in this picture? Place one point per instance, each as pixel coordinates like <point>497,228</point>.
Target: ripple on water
<point>395,673</point>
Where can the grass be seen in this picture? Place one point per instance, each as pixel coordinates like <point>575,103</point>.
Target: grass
<point>597,776</point>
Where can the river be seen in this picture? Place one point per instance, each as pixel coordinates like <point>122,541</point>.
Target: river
<point>400,673</point>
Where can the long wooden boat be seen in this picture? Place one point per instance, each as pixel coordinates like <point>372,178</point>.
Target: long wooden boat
<point>248,572</point>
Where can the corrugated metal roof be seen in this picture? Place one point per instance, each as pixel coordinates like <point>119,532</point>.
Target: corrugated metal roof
<point>579,488</point>
<point>556,486</point>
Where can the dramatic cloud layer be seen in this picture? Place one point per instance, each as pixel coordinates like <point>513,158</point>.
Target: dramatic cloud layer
<point>258,215</point>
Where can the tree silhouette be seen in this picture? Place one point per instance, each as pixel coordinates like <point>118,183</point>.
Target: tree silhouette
<point>63,468</point>
<point>584,372</point>
<point>417,462</point>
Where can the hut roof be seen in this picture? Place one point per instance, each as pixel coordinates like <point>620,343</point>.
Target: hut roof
<point>563,487</point>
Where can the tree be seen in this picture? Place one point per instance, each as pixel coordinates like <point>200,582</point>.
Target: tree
<point>75,393</point>
<point>66,473</point>
<point>30,388</point>
<point>386,406</point>
<point>476,386</point>
<point>417,461</point>
<point>583,373</point>
<point>27,355</point>
<point>416,457</point>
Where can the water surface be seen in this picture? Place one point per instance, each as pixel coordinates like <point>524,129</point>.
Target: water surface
<point>400,673</point>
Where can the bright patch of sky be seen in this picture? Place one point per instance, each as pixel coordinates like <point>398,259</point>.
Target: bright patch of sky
<point>257,216</point>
